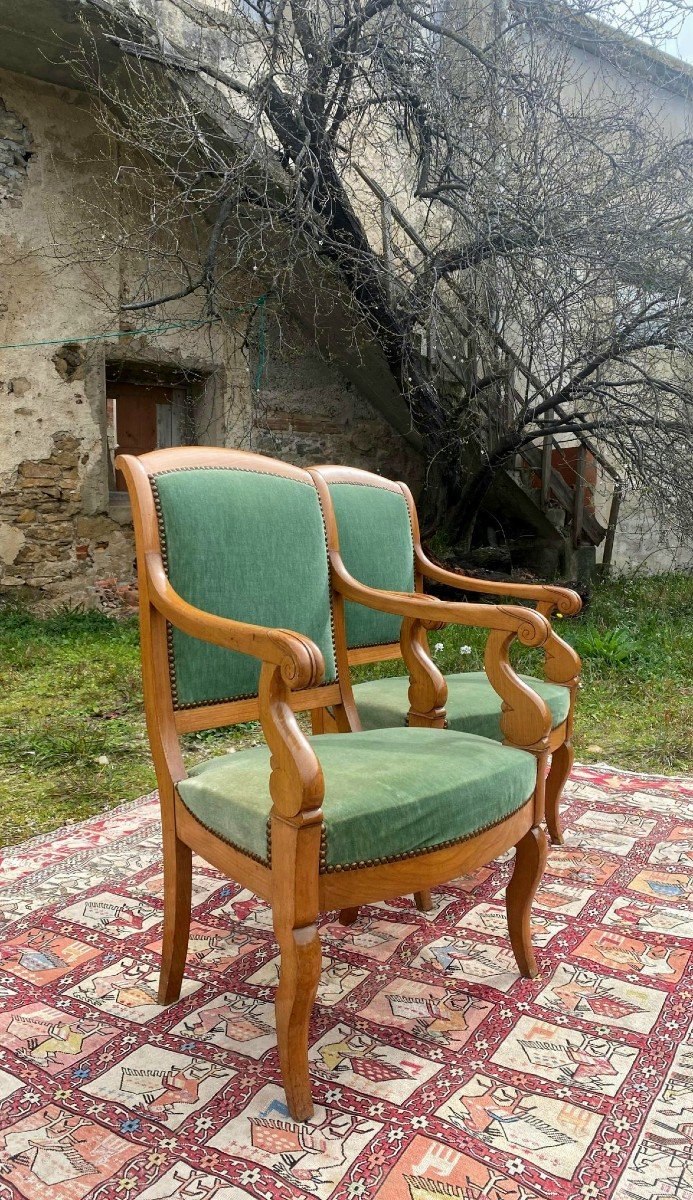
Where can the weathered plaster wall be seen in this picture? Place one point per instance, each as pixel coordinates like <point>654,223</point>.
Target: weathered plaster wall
<point>642,543</point>
<point>308,412</point>
<point>51,440</point>
<point>60,530</point>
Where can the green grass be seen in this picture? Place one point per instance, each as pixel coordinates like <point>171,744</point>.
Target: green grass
<point>73,741</point>
<point>635,708</point>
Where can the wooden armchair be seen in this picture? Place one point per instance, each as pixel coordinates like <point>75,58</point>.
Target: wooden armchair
<point>239,621</point>
<point>380,545</point>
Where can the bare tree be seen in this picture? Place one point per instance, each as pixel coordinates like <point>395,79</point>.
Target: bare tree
<point>498,196</point>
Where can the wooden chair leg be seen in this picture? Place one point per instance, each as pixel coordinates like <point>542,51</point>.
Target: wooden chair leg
<point>323,721</point>
<point>561,766</point>
<point>423,901</point>
<point>177,901</point>
<point>295,854</point>
<point>530,860</point>
<point>301,964</point>
<point>348,916</point>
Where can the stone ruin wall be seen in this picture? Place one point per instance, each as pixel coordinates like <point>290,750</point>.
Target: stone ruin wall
<point>61,535</point>
<point>307,412</point>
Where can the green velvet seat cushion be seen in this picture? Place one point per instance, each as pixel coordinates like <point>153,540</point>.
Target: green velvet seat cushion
<point>388,792</point>
<point>472,706</point>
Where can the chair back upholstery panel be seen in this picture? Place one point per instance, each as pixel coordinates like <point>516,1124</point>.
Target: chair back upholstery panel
<point>248,545</point>
<point>377,547</point>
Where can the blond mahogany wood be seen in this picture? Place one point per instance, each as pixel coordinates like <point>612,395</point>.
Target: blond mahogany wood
<point>366,885</point>
<point>428,691</point>
<point>295,908</point>
<point>558,737</point>
<point>369,654</point>
<point>530,860</point>
<point>524,623</point>
<point>559,772</point>
<point>561,663</point>
<point>290,671</point>
<point>549,599</point>
<point>177,858</point>
<point>234,712</point>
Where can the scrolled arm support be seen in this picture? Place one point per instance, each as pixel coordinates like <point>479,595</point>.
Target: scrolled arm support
<point>296,783</point>
<point>562,663</point>
<point>428,691</point>
<point>526,721</point>
<point>525,717</point>
<point>299,660</point>
<point>523,622</point>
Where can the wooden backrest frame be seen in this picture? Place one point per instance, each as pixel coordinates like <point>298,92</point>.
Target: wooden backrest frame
<point>332,473</point>
<point>165,723</point>
<point>562,663</point>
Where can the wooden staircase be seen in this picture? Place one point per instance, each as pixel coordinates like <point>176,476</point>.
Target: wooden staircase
<point>535,469</point>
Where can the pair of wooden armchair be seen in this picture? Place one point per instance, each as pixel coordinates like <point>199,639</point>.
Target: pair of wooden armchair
<point>380,545</point>
<point>242,609</point>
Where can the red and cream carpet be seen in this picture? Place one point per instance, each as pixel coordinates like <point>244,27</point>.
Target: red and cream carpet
<point>437,1071</point>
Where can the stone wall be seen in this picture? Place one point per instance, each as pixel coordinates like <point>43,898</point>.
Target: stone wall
<point>62,533</point>
<point>307,412</point>
<point>16,147</point>
<point>47,539</point>
<point>61,529</point>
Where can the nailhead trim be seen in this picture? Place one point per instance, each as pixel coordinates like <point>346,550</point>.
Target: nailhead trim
<point>178,705</point>
<point>378,862</point>
<point>329,585</point>
<point>164,556</point>
<point>371,645</point>
<point>227,841</point>
<point>342,867</point>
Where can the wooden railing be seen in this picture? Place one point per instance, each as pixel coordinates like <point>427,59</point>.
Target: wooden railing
<point>539,456</point>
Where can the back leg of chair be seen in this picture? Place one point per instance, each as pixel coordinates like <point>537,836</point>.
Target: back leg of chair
<point>561,766</point>
<point>323,721</point>
<point>177,901</point>
<point>530,860</point>
<point>423,901</point>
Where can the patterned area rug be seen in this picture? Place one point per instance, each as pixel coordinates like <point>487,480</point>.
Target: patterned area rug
<point>437,1071</point>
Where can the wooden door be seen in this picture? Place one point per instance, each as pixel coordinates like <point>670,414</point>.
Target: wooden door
<point>136,419</point>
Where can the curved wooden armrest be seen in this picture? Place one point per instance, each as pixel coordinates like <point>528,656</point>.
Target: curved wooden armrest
<point>530,627</point>
<point>562,662</point>
<point>525,719</point>
<point>300,661</point>
<point>548,597</point>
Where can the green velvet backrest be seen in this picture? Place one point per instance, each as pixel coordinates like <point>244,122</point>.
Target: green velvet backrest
<point>248,545</point>
<point>376,544</point>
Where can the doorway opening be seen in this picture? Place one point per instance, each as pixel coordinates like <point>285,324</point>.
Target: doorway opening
<point>148,407</point>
